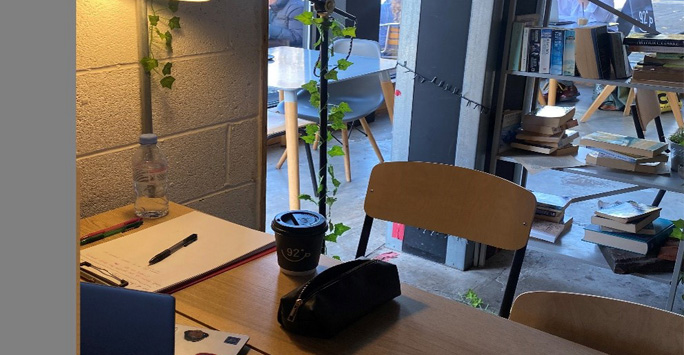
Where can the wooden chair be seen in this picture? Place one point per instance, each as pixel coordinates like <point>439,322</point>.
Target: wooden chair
<point>457,201</point>
<point>609,325</point>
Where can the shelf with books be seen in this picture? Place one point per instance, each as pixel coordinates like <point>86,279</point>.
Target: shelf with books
<point>615,82</point>
<point>671,182</point>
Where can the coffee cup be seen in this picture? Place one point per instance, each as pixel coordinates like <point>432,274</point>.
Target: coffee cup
<point>299,236</point>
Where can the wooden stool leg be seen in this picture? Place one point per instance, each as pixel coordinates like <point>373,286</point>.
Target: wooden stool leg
<point>628,104</point>
<point>371,139</point>
<point>540,98</point>
<point>673,100</point>
<point>388,94</point>
<point>345,148</point>
<point>281,160</point>
<point>599,100</point>
<point>317,140</point>
<point>553,85</point>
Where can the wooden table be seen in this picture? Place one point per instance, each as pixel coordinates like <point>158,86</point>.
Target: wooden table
<point>291,68</point>
<point>245,300</point>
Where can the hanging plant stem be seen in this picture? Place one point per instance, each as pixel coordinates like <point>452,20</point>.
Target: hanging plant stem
<point>335,114</point>
<point>157,37</point>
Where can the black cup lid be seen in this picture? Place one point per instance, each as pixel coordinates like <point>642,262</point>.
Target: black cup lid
<point>299,222</point>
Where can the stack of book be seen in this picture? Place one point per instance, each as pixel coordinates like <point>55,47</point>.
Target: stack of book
<point>549,218</point>
<point>545,131</point>
<point>626,153</point>
<point>665,64</point>
<point>630,226</point>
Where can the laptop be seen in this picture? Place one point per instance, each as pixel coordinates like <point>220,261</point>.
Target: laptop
<point>116,321</point>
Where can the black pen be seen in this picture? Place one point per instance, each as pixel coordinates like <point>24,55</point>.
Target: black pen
<point>164,254</point>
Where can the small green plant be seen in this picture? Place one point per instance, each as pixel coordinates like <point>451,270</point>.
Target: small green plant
<point>678,136</point>
<point>473,299</point>
<point>159,40</point>
<point>335,113</point>
<point>678,233</point>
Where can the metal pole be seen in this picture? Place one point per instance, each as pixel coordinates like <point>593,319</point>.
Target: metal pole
<point>145,83</point>
<point>323,153</point>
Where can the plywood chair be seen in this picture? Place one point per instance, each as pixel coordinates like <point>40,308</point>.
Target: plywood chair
<point>609,325</point>
<point>457,201</point>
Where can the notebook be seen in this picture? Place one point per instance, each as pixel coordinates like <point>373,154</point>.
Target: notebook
<point>117,321</point>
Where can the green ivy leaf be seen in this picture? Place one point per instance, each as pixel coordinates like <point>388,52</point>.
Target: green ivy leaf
<point>174,22</point>
<point>331,75</point>
<point>317,20</point>
<point>331,237</point>
<point>315,99</point>
<point>149,63</point>
<point>335,182</point>
<point>335,151</point>
<point>336,29</point>
<point>311,86</point>
<point>167,68</point>
<point>344,107</point>
<point>677,233</point>
<point>340,228</point>
<point>312,129</point>
<point>167,81</point>
<point>337,257</point>
<point>306,17</point>
<point>154,19</point>
<point>679,223</point>
<point>343,64</point>
<point>349,32</point>
<point>169,38</point>
<point>305,197</point>
<point>330,201</point>
<point>173,5</point>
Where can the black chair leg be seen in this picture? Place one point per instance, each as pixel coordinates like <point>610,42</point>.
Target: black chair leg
<point>365,234</point>
<point>512,283</point>
<point>312,171</point>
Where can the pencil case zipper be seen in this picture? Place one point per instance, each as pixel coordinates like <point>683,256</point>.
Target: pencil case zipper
<point>300,298</point>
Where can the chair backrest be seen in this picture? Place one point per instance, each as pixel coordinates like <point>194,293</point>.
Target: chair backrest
<point>448,199</point>
<point>609,325</point>
<point>360,47</point>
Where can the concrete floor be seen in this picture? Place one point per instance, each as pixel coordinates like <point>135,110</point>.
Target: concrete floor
<point>542,269</point>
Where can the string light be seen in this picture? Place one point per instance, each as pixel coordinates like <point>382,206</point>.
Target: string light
<point>446,87</point>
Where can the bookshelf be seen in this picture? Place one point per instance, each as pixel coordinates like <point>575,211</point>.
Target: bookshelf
<point>615,82</point>
<point>516,90</point>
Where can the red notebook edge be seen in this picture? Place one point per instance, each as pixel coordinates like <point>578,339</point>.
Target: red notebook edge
<point>182,285</point>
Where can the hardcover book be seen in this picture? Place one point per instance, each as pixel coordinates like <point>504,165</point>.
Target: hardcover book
<point>659,40</point>
<point>545,51</point>
<point>623,144</point>
<point>524,50</point>
<point>637,243</point>
<point>516,46</point>
<point>627,211</point>
<point>598,159</point>
<point>618,56</point>
<point>635,159</point>
<point>592,52</point>
<point>552,116</point>
<point>636,226</point>
<point>656,49</point>
<point>557,48</point>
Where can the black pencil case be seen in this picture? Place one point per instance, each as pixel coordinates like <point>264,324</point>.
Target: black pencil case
<point>338,296</point>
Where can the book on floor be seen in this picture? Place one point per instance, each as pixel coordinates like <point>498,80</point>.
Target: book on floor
<point>637,243</point>
<point>533,147</point>
<point>566,150</point>
<point>552,116</point>
<point>636,226</point>
<point>560,139</point>
<point>549,231</point>
<point>623,144</point>
<point>627,211</point>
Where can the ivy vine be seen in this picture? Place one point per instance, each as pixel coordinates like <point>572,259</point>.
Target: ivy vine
<point>159,40</point>
<point>336,113</point>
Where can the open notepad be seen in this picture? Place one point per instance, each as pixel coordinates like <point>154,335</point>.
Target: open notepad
<point>219,244</point>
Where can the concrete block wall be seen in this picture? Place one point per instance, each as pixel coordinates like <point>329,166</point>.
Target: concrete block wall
<point>210,125</point>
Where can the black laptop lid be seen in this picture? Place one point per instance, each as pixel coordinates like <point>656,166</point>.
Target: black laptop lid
<point>118,321</point>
